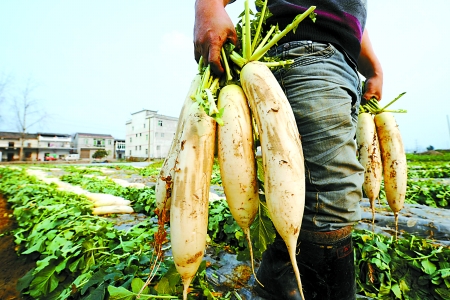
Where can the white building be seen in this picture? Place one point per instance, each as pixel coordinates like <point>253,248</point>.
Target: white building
<point>54,145</point>
<point>87,143</point>
<point>149,135</point>
<point>39,146</point>
<point>119,149</point>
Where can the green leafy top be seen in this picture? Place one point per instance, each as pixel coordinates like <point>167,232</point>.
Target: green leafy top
<point>373,106</point>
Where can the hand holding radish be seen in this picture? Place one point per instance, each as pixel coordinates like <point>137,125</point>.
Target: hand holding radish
<point>212,29</point>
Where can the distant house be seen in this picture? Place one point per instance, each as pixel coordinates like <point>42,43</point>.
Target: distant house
<point>54,145</point>
<point>149,134</point>
<point>119,149</point>
<point>87,143</point>
<point>39,146</point>
<point>10,143</point>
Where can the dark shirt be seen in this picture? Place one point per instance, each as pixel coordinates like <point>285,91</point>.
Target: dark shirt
<point>339,22</point>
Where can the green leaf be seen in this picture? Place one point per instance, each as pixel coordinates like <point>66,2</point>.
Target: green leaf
<point>137,284</point>
<point>96,278</point>
<point>385,285</point>
<point>262,230</point>
<point>61,266</point>
<point>396,290</point>
<point>120,293</point>
<point>44,282</point>
<point>39,246</point>
<point>173,276</point>
<point>168,284</point>
<point>443,292</point>
<point>25,281</point>
<point>163,286</point>
<point>76,263</point>
<point>428,267</point>
<point>445,273</point>
<point>98,293</point>
<point>43,263</point>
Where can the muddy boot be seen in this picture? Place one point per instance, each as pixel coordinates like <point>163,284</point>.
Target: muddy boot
<point>326,263</point>
<point>276,274</point>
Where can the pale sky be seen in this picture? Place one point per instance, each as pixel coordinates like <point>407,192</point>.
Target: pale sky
<point>94,63</point>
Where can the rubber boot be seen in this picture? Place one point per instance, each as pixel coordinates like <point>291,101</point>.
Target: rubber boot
<point>276,274</point>
<point>326,263</point>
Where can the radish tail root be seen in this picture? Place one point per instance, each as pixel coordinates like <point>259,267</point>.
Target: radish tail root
<point>250,248</point>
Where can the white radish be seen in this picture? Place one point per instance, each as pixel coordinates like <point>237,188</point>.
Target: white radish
<point>113,209</point>
<point>394,162</point>
<point>164,181</point>
<point>369,157</point>
<point>284,178</point>
<point>190,193</point>
<point>236,156</point>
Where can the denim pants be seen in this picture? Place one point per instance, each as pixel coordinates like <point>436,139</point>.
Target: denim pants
<point>323,88</point>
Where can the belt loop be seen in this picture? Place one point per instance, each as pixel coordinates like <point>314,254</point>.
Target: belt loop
<point>310,47</point>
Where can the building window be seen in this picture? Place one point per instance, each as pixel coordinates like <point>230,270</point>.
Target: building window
<point>159,122</point>
<point>109,142</point>
<point>140,148</point>
<point>146,151</point>
<point>132,128</point>
<point>144,125</point>
<point>135,147</point>
<point>130,152</point>
<point>146,137</point>
<point>158,147</point>
<point>162,134</point>
<point>130,139</point>
<point>140,134</point>
<point>99,142</point>
<point>27,154</point>
<point>136,135</point>
<point>10,144</point>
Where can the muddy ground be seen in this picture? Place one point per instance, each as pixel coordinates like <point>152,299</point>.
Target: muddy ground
<point>12,266</point>
<point>415,219</point>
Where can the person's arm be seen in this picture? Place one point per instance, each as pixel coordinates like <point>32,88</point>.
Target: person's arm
<point>370,67</point>
<point>213,27</point>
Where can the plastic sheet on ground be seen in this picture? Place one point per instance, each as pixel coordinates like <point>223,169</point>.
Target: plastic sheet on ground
<point>419,220</point>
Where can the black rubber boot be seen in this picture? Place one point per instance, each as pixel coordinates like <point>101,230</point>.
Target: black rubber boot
<point>276,274</point>
<point>326,263</point>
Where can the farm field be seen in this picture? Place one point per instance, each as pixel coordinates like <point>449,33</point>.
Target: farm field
<point>52,246</point>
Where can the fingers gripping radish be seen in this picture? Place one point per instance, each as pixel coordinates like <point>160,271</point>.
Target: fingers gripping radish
<point>394,162</point>
<point>164,181</point>
<point>190,192</point>
<point>282,154</point>
<point>237,158</point>
<point>369,157</point>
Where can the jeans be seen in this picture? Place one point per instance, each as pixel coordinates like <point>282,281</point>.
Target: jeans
<point>323,88</point>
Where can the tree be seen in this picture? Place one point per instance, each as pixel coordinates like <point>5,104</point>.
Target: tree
<point>4,82</point>
<point>27,113</point>
<point>100,153</point>
<point>430,148</point>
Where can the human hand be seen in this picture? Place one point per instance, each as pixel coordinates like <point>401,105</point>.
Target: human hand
<point>373,88</point>
<point>212,29</point>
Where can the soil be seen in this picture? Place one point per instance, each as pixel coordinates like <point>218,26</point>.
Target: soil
<point>12,267</point>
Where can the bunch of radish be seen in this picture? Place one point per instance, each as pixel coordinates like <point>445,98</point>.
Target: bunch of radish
<point>381,152</point>
<point>183,183</point>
